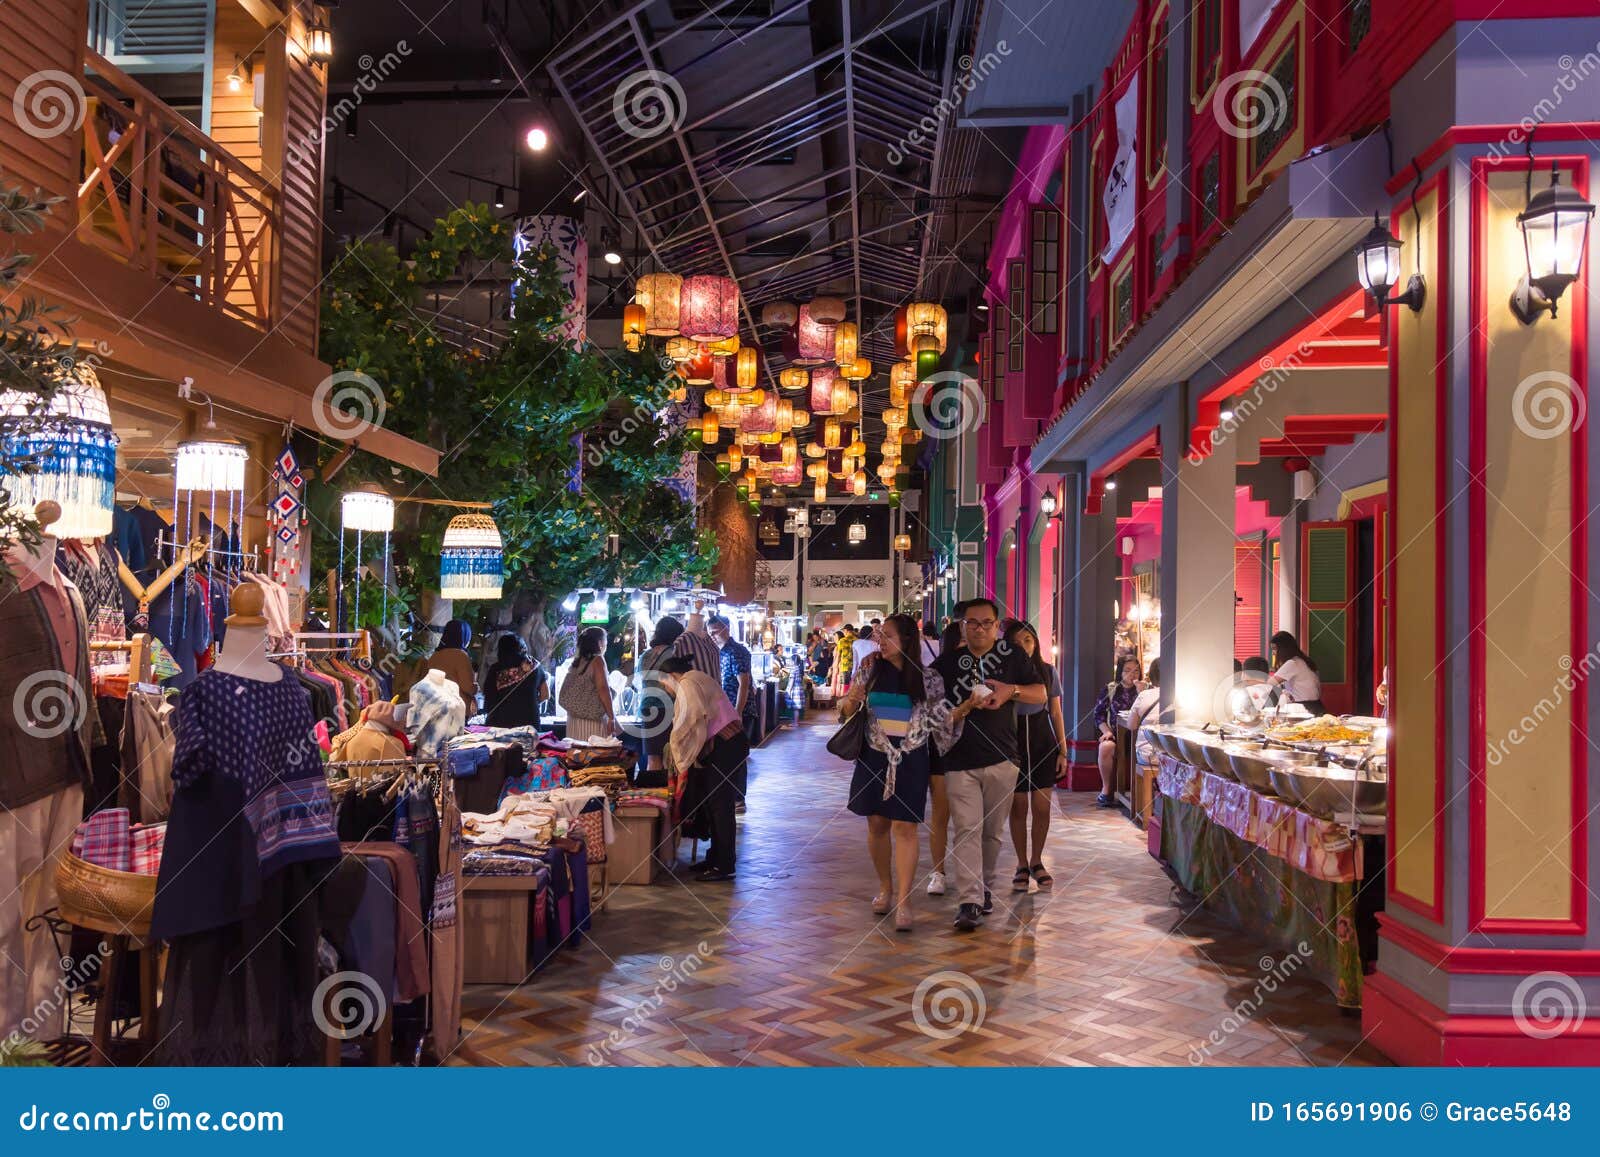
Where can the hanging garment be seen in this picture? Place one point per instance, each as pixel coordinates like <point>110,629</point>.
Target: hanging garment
<point>92,568</point>
<point>148,741</point>
<point>411,938</point>
<point>448,932</point>
<point>33,837</point>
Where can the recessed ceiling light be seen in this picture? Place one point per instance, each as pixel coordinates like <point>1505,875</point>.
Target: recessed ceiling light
<point>538,139</point>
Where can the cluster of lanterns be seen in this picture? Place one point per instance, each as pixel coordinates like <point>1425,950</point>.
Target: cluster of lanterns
<point>699,318</point>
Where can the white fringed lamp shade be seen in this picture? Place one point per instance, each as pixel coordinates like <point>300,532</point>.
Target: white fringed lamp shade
<point>367,510</point>
<point>211,465</point>
<point>660,294</point>
<point>813,340</point>
<point>472,559</point>
<point>71,450</point>
<point>709,308</point>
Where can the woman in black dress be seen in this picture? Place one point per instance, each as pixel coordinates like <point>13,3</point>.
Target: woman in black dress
<point>515,686</point>
<point>909,721</point>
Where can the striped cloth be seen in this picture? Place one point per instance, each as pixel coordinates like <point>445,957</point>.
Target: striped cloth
<point>892,711</point>
<point>698,648</point>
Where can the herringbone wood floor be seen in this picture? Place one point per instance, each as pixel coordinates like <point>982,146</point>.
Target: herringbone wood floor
<point>1106,970</point>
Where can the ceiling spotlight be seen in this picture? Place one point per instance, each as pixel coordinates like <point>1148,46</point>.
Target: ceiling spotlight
<point>610,243</point>
<point>613,257</point>
<point>1111,483</point>
<point>1226,415</point>
<point>538,139</point>
<point>983,307</point>
<point>499,197</point>
<point>579,195</point>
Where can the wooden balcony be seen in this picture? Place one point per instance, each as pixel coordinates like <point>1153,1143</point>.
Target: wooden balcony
<point>165,198</point>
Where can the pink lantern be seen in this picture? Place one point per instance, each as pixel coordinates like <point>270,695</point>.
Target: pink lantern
<point>708,308</point>
<point>822,382</point>
<point>789,475</point>
<point>813,341</point>
<point>763,419</point>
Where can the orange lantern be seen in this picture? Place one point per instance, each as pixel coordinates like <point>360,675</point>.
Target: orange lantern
<point>660,295</point>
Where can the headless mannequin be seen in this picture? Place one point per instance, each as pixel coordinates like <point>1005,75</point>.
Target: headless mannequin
<point>245,652</point>
<point>38,560</point>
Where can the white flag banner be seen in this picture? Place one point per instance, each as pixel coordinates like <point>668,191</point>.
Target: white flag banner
<point>1253,17</point>
<point>1120,183</point>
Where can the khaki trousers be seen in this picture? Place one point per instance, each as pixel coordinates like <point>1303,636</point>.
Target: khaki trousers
<point>32,839</point>
<point>980,810</point>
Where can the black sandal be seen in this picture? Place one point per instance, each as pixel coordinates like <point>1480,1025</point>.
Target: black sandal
<point>1020,878</point>
<point>1041,877</point>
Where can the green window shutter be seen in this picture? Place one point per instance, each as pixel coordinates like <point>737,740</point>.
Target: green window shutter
<point>1326,646</point>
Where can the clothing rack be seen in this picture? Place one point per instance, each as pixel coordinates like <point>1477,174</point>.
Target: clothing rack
<point>306,643</point>
<point>236,560</point>
<point>138,648</point>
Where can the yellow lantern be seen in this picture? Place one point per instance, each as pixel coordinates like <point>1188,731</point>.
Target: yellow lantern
<point>746,366</point>
<point>770,438</point>
<point>832,433</point>
<point>819,492</point>
<point>633,327</point>
<point>716,399</point>
<point>658,294</point>
<point>858,483</point>
<point>846,340</point>
<point>679,393</point>
<point>791,452</point>
<point>709,427</point>
<point>927,327</point>
<point>802,419</point>
<point>814,450</point>
<point>842,398</point>
<point>725,348</point>
<point>858,370</point>
<point>752,398</point>
<point>794,378</point>
<point>902,380</point>
<point>735,458</point>
<point>894,420</point>
<point>784,413</point>
<point>886,473</point>
<point>857,448</point>
<point>680,349</point>
<point>902,544</point>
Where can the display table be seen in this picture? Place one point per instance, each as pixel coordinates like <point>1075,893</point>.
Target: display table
<point>1295,881</point>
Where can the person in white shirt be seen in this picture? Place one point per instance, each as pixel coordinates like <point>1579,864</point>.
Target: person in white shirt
<point>930,643</point>
<point>1294,671</point>
<point>864,645</point>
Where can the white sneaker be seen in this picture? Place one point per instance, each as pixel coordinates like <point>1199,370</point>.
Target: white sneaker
<point>936,884</point>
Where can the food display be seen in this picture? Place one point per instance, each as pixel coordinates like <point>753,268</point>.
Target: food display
<point>1323,729</point>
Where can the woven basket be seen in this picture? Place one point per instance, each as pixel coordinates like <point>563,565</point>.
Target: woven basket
<point>120,903</point>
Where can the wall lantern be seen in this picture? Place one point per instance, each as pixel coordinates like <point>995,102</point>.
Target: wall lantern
<point>319,42</point>
<point>1555,236</point>
<point>902,544</point>
<point>858,532</point>
<point>1378,269</point>
<point>1049,504</point>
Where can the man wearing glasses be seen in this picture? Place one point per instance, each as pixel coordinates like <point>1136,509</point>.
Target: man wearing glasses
<point>980,771</point>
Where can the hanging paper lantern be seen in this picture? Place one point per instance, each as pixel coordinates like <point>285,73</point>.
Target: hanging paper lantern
<point>823,379</point>
<point>858,483</point>
<point>701,369</point>
<point>633,319</point>
<point>843,398</point>
<point>802,419</point>
<point>887,472</point>
<point>678,394</point>
<point>894,421</point>
<point>787,474</point>
<point>813,340</point>
<point>856,448</point>
<point>902,544</point>
<point>927,327</point>
<point>210,466</point>
<point>857,371</point>
<point>680,349</point>
<point>857,532</point>
<point>725,348</point>
<point>709,427</point>
<point>472,558</point>
<point>785,413</point>
<point>709,309</point>
<point>716,399</point>
<point>794,378</point>
<point>747,367</point>
<point>815,450</point>
<point>789,452</point>
<point>826,311</point>
<point>779,313</point>
<point>74,450</point>
<point>902,380</point>
<point>819,492</point>
<point>735,457</point>
<point>846,341</point>
<point>832,433</point>
<point>762,418</point>
<point>660,296</point>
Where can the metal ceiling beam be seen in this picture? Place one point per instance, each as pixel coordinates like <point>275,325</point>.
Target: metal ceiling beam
<point>850,147</point>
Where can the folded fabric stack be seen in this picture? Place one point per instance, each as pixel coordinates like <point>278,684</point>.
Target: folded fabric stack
<point>612,778</point>
<point>108,840</point>
<point>543,774</point>
<point>521,819</point>
<point>653,797</point>
<point>504,860</point>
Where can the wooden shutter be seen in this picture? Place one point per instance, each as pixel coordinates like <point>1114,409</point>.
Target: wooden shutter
<point>1327,607</point>
<point>1248,584</point>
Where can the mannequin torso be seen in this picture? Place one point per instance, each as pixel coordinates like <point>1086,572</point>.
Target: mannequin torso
<point>245,653</point>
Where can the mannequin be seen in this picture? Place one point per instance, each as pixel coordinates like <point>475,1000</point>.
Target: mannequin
<point>39,560</point>
<point>437,713</point>
<point>245,652</point>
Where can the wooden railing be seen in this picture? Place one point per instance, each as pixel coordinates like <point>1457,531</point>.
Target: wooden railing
<point>165,198</point>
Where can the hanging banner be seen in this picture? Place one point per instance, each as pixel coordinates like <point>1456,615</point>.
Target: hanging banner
<point>1253,17</point>
<point>1120,182</point>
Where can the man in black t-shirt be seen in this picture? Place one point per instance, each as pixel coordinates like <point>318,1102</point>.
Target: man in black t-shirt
<point>980,771</point>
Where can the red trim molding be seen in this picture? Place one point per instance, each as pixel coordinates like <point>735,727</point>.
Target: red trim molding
<point>1096,490</point>
<point>1477,961</point>
<point>1512,139</point>
<point>1477,741</point>
<point>1411,1031</point>
<point>1433,912</point>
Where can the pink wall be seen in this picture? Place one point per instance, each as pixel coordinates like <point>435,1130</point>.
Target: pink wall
<point>1038,162</point>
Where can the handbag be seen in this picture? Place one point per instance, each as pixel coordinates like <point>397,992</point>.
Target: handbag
<point>851,737</point>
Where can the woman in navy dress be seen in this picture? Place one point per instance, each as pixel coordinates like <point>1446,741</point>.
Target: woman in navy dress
<point>909,721</point>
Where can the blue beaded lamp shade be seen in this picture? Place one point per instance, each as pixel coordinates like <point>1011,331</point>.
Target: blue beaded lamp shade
<point>67,452</point>
<point>471,562</point>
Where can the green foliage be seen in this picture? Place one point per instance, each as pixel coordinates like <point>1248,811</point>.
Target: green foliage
<point>513,423</point>
<point>36,355</point>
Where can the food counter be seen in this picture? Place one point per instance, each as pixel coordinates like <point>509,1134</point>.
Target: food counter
<point>1280,835</point>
